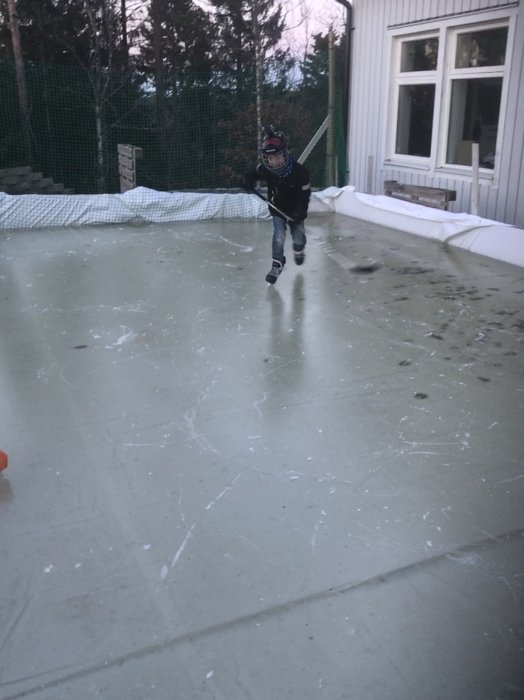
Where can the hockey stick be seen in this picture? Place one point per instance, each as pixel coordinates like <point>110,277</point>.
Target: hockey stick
<point>364,267</point>
<point>264,199</point>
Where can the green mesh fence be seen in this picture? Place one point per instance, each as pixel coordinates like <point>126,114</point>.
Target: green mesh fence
<point>201,135</point>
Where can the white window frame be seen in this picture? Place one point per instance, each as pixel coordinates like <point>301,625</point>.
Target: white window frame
<point>446,31</point>
<point>412,78</point>
<point>464,73</point>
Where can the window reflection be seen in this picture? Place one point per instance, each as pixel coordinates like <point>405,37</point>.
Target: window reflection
<point>419,55</point>
<point>483,48</point>
<point>415,120</point>
<point>474,116</point>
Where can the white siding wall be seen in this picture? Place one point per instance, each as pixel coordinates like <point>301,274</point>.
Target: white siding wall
<point>502,200</point>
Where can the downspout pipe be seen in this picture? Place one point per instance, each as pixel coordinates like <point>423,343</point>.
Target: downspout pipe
<point>347,83</point>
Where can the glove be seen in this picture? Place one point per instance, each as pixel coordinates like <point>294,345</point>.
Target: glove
<point>248,183</point>
<point>299,215</point>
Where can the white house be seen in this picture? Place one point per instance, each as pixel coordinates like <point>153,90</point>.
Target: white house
<point>428,79</point>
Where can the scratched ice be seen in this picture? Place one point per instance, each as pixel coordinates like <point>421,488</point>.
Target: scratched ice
<point>216,489</point>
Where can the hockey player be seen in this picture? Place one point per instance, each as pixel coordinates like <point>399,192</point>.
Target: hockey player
<point>289,189</point>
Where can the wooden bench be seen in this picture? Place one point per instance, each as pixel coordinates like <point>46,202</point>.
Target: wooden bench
<point>435,197</point>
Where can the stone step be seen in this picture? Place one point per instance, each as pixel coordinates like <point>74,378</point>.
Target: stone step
<point>23,180</point>
<point>16,188</point>
<point>8,180</point>
<point>42,184</point>
<point>21,170</point>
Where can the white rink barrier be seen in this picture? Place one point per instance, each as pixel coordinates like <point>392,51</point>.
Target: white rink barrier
<point>142,205</point>
<point>483,236</point>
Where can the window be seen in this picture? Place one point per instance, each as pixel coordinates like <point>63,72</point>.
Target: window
<point>415,120</point>
<point>475,95</point>
<point>483,48</point>
<point>417,55</point>
<point>416,96</point>
<point>448,95</point>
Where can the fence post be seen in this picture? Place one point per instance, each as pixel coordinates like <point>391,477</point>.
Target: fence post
<point>474,207</point>
<point>370,174</point>
<point>330,155</point>
<point>127,157</point>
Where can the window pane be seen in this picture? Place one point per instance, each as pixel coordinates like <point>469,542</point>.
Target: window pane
<point>485,48</point>
<point>420,54</point>
<point>474,117</point>
<point>415,120</point>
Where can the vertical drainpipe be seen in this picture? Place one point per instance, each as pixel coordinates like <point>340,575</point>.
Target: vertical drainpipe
<point>347,82</point>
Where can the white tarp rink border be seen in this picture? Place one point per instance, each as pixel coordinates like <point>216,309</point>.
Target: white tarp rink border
<point>143,205</point>
<point>473,233</point>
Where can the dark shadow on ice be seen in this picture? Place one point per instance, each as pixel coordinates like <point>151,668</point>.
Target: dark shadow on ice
<point>286,342</point>
<point>6,491</point>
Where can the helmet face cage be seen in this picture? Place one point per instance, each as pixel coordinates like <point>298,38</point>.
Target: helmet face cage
<point>273,144</point>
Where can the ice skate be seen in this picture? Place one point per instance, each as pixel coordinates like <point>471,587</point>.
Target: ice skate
<point>299,253</point>
<point>275,272</point>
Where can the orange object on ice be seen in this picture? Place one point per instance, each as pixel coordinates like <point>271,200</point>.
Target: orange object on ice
<point>3,460</point>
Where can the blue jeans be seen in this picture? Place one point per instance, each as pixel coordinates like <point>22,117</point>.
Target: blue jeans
<point>297,232</point>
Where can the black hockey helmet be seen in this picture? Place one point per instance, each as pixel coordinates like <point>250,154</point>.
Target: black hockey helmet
<point>274,142</point>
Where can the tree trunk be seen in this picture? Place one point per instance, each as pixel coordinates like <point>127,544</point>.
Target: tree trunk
<point>124,43</point>
<point>160,87</point>
<point>23,99</point>
<point>100,147</point>
<point>99,84</point>
<point>258,67</point>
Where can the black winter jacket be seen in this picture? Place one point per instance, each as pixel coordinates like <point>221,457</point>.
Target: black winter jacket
<point>290,193</point>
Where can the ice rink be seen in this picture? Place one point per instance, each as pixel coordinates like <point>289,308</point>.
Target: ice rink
<point>220,490</point>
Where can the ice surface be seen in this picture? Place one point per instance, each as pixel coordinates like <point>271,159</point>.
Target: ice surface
<point>220,490</point>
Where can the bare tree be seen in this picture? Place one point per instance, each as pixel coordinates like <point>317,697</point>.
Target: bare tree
<point>123,38</point>
<point>160,83</point>
<point>259,59</point>
<point>23,99</point>
<point>101,19</point>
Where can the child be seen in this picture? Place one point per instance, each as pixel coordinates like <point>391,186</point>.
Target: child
<point>289,189</point>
